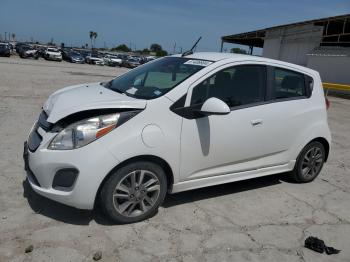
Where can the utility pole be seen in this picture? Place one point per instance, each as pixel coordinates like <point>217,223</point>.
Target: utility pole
<point>5,36</point>
<point>174,47</point>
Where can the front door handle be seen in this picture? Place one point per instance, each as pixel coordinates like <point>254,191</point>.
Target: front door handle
<point>257,122</point>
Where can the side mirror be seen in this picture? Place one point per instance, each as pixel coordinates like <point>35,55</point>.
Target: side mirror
<point>215,106</point>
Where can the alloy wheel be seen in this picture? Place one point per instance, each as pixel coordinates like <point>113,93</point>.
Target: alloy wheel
<point>312,162</point>
<point>136,193</point>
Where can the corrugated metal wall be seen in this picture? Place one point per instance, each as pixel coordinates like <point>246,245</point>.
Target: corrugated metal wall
<point>291,44</point>
<point>333,69</point>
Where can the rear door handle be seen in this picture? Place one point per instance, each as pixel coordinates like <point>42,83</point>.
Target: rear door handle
<point>257,122</point>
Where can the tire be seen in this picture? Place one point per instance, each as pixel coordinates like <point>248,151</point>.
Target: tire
<point>133,204</point>
<point>309,163</point>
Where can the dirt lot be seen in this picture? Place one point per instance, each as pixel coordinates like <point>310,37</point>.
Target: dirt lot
<point>264,219</point>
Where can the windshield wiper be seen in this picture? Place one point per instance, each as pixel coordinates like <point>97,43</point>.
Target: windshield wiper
<point>108,86</point>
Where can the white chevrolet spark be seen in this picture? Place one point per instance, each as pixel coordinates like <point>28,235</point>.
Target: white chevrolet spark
<point>175,124</point>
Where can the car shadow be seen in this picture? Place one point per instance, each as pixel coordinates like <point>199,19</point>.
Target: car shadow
<point>221,190</point>
<point>54,210</point>
<point>60,212</point>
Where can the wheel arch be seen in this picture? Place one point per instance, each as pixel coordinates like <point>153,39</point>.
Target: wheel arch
<point>325,143</point>
<point>150,158</point>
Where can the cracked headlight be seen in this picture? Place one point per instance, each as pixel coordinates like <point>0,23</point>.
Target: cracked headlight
<point>84,132</point>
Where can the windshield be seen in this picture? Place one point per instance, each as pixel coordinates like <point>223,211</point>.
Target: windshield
<point>97,55</point>
<point>154,79</point>
<point>75,54</point>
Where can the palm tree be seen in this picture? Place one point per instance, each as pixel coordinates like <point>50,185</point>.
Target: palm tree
<point>95,36</point>
<point>91,36</point>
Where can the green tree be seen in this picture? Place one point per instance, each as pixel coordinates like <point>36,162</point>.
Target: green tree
<point>95,36</point>
<point>156,48</point>
<point>237,50</point>
<point>122,47</point>
<point>91,34</point>
<point>162,53</point>
<point>145,51</point>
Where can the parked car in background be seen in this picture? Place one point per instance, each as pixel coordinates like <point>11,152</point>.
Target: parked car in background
<point>150,58</point>
<point>41,51</point>
<point>5,49</point>
<point>132,62</point>
<point>94,58</point>
<point>19,46</point>
<point>112,60</point>
<point>84,53</point>
<point>74,57</point>
<point>65,53</point>
<point>27,51</point>
<point>176,124</point>
<point>52,53</point>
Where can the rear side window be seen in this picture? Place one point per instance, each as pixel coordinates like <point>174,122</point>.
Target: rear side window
<point>236,86</point>
<point>289,84</point>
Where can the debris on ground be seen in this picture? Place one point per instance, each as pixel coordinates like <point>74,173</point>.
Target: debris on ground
<point>29,249</point>
<point>97,256</point>
<point>319,246</point>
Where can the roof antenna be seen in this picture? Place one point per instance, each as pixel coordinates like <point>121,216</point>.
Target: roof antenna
<point>190,52</point>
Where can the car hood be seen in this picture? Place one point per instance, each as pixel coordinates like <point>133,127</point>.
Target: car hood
<point>78,98</point>
<point>95,58</point>
<point>53,53</point>
<point>115,59</point>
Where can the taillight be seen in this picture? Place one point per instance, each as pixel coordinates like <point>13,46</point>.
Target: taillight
<point>327,103</point>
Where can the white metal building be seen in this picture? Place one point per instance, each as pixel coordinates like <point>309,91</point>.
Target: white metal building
<point>321,44</point>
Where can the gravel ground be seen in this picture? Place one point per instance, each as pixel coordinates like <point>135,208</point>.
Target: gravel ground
<point>265,219</point>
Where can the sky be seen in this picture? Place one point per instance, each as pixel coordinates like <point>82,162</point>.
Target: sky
<point>139,23</point>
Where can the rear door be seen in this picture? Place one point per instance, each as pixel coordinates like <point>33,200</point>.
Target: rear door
<point>287,113</point>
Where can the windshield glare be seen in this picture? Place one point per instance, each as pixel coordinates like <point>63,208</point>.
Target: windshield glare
<point>156,78</point>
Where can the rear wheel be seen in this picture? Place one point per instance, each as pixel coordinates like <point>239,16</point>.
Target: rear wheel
<point>134,192</point>
<point>309,163</point>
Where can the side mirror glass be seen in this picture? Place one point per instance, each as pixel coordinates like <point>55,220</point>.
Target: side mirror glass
<point>215,106</point>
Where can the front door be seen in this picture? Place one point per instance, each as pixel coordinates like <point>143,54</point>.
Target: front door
<point>222,144</point>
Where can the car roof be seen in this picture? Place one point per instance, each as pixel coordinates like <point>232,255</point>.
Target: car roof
<point>232,57</point>
<point>211,56</point>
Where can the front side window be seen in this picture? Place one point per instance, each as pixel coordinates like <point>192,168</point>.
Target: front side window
<point>288,84</point>
<point>154,79</point>
<point>236,86</point>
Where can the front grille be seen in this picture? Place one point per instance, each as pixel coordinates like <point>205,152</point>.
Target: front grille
<point>35,138</point>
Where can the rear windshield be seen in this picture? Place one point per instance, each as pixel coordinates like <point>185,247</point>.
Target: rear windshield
<point>156,78</point>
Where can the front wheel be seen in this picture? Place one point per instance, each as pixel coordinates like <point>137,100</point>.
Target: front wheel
<point>134,192</point>
<point>309,163</point>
